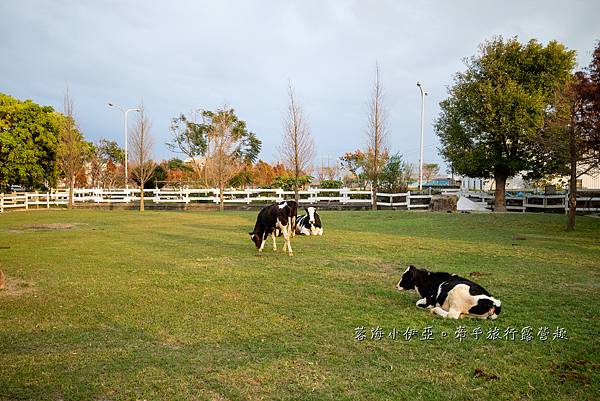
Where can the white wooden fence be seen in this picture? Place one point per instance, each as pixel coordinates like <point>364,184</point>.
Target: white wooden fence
<point>342,196</point>
<point>535,202</point>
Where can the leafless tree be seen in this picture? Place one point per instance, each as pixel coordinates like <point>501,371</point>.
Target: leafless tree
<point>73,150</point>
<point>298,148</point>
<point>141,153</point>
<point>327,171</point>
<point>376,137</point>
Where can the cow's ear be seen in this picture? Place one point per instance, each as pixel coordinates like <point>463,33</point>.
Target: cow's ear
<point>251,234</point>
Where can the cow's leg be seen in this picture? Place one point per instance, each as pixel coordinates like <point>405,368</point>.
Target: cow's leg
<point>274,242</point>
<point>439,311</point>
<point>288,244</point>
<point>262,244</point>
<point>422,303</point>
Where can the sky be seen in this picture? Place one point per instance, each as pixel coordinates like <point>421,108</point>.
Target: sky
<point>178,56</point>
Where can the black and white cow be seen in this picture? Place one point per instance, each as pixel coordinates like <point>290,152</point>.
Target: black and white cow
<point>293,216</point>
<point>310,223</point>
<point>271,218</point>
<point>449,295</point>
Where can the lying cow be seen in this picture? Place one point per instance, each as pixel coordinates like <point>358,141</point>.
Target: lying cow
<point>272,218</point>
<point>449,295</point>
<point>310,223</point>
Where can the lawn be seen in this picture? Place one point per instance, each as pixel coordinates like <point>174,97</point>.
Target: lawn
<point>118,305</point>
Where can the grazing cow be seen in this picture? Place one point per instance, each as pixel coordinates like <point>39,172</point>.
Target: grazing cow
<point>293,216</point>
<point>310,223</point>
<point>449,295</point>
<point>272,218</point>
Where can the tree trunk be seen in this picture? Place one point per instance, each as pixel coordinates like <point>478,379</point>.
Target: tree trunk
<point>296,194</point>
<point>141,198</point>
<point>373,197</point>
<point>221,198</point>
<point>499,193</point>
<point>71,190</point>
<point>572,182</point>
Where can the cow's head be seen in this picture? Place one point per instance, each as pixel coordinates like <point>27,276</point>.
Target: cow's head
<point>495,311</point>
<point>407,282</point>
<point>311,214</point>
<point>256,238</point>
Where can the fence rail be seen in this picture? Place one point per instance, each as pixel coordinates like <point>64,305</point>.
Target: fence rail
<point>340,196</point>
<point>537,203</point>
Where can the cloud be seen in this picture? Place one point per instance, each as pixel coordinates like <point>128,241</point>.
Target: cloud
<point>183,55</point>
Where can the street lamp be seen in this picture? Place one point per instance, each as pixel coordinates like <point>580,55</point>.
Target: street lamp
<point>423,94</point>
<point>125,112</point>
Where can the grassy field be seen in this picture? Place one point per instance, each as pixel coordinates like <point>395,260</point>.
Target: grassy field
<point>117,305</point>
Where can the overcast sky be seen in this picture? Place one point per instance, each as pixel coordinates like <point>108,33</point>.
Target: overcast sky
<point>177,56</point>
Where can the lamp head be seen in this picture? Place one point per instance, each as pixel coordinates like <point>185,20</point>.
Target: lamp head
<point>110,104</point>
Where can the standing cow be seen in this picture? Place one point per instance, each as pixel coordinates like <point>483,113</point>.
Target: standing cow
<point>293,216</point>
<point>449,295</point>
<point>270,219</point>
<point>310,223</point>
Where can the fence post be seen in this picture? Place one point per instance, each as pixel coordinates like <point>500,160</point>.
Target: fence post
<point>26,201</point>
<point>2,202</point>
<point>407,200</point>
<point>545,202</point>
<point>47,200</point>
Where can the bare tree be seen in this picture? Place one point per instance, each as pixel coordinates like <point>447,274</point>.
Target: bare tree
<point>377,138</point>
<point>73,151</point>
<point>298,148</point>
<point>141,153</point>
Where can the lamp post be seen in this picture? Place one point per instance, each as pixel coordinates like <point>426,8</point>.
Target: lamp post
<point>125,112</point>
<point>423,94</point>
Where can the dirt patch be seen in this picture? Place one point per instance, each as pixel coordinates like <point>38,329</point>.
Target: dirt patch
<point>574,371</point>
<point>484,375</point>
<point>14,287</point>
<point>44,227</point>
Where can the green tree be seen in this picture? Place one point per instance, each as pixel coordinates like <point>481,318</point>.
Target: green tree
<point>395,175</point>
<point>29,138</point>
<point>106,159</point>
<point>430,170</point>
<point>189,138</point>
<point>489,125</point>
<point>230,146</point>
<point>572,136</point>
<point>289,182</point>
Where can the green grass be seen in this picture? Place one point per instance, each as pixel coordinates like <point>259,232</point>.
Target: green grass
<point>178,306</point>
